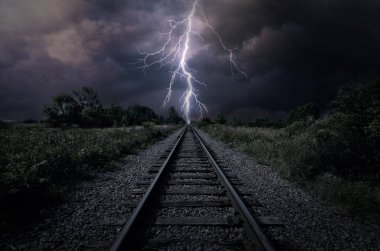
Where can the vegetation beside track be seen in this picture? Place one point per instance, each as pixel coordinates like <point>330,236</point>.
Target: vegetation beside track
<point>295,158</point>
<point>37,164</point>
<point>335,156</point>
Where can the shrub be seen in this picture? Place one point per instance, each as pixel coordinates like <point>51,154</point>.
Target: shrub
<point>220,118</point>
<point>345,144</point>
<point>344,147</point>
<point>173,116</point>
<point>3,125</point>
<point>203,122</point>
<point>309,153</point>
<point>136,115</point>
<point>64,111</point>
<point>46,159</point>
<point>309,111</point>
<point>298,157</point>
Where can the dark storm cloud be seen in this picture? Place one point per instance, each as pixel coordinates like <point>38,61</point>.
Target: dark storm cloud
<point>294,52</point>
<point>297,51</point>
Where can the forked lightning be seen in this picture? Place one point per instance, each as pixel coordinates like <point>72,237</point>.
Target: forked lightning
<point>175,51</point>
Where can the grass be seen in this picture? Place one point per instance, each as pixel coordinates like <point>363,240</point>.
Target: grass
<point>295,154</point>
<point>38,164</point>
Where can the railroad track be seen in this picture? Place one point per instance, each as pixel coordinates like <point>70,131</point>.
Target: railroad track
<point>188,202</point>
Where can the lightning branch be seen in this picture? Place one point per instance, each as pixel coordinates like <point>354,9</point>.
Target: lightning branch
<point>175,52</point>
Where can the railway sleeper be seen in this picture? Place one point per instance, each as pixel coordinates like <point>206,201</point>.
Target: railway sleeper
<point>193,165</point>
<point>184,191</point>
<point>188,182</point>
<point>195,203</point>
<point>186,176</point>
<point>194,221</point>
<point>187,170</point>
<point>162,243</point>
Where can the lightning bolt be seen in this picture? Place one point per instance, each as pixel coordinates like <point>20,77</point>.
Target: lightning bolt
<point>175,52</point>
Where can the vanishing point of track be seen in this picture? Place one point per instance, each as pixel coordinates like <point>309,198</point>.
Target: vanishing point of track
<point>190,203</point>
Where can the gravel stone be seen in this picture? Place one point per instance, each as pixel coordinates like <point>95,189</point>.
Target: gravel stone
<point>208,212</point>
<point>78,220</point>
<point>191,197</point>
<point>309,223</point>
<point>189,237</point>
<point>201,187</point>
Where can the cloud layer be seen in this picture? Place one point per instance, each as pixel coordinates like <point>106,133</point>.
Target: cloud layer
<point>294,51</point>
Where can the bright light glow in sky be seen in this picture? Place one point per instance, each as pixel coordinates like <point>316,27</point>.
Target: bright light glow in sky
<point>175,51</point>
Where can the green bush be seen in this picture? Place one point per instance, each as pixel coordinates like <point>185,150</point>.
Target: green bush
<point>306,112</point>
<point>298,127</point>
<point>304,154</point>
<point>203,122</point>
<point>298,157</point>
<point>220,118</point>
<point>173,116</point>
<point>3,125</point>
<point>136,115</point>
<point>344,144</point>
<point>46,159</point>
<point>346,149</point>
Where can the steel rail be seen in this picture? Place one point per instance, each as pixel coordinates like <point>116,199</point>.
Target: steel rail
<point>252,224</point>
<point>121,242</point>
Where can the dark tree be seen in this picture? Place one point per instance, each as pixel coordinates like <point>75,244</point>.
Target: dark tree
<point>115,115</point>
<point>203,122</point>
<point>236,122</point>
<point>305,112</point>
<point>85,109</point>
<point>206,120</point>
<point>136,115</point>
<point>64,111</point>
<point>92,112</point>
<point>349,141</point>
<point>173,116</point>
<point>29,121</point>
<point>220,118</point>
<point>360,100</point>
<point>3,125</point>
<point>87,98</point>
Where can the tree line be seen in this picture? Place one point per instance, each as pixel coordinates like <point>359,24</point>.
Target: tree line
<point>309,111</point>
<point>344,140</point>
<point>83,108</point>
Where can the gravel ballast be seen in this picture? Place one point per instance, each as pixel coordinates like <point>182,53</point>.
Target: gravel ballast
<point>309,223</point>
<point>82,221</point>
<point>198,238</point>
<point>79,221</point>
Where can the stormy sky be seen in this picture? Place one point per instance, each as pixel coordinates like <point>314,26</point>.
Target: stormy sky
<point>294,52</point>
